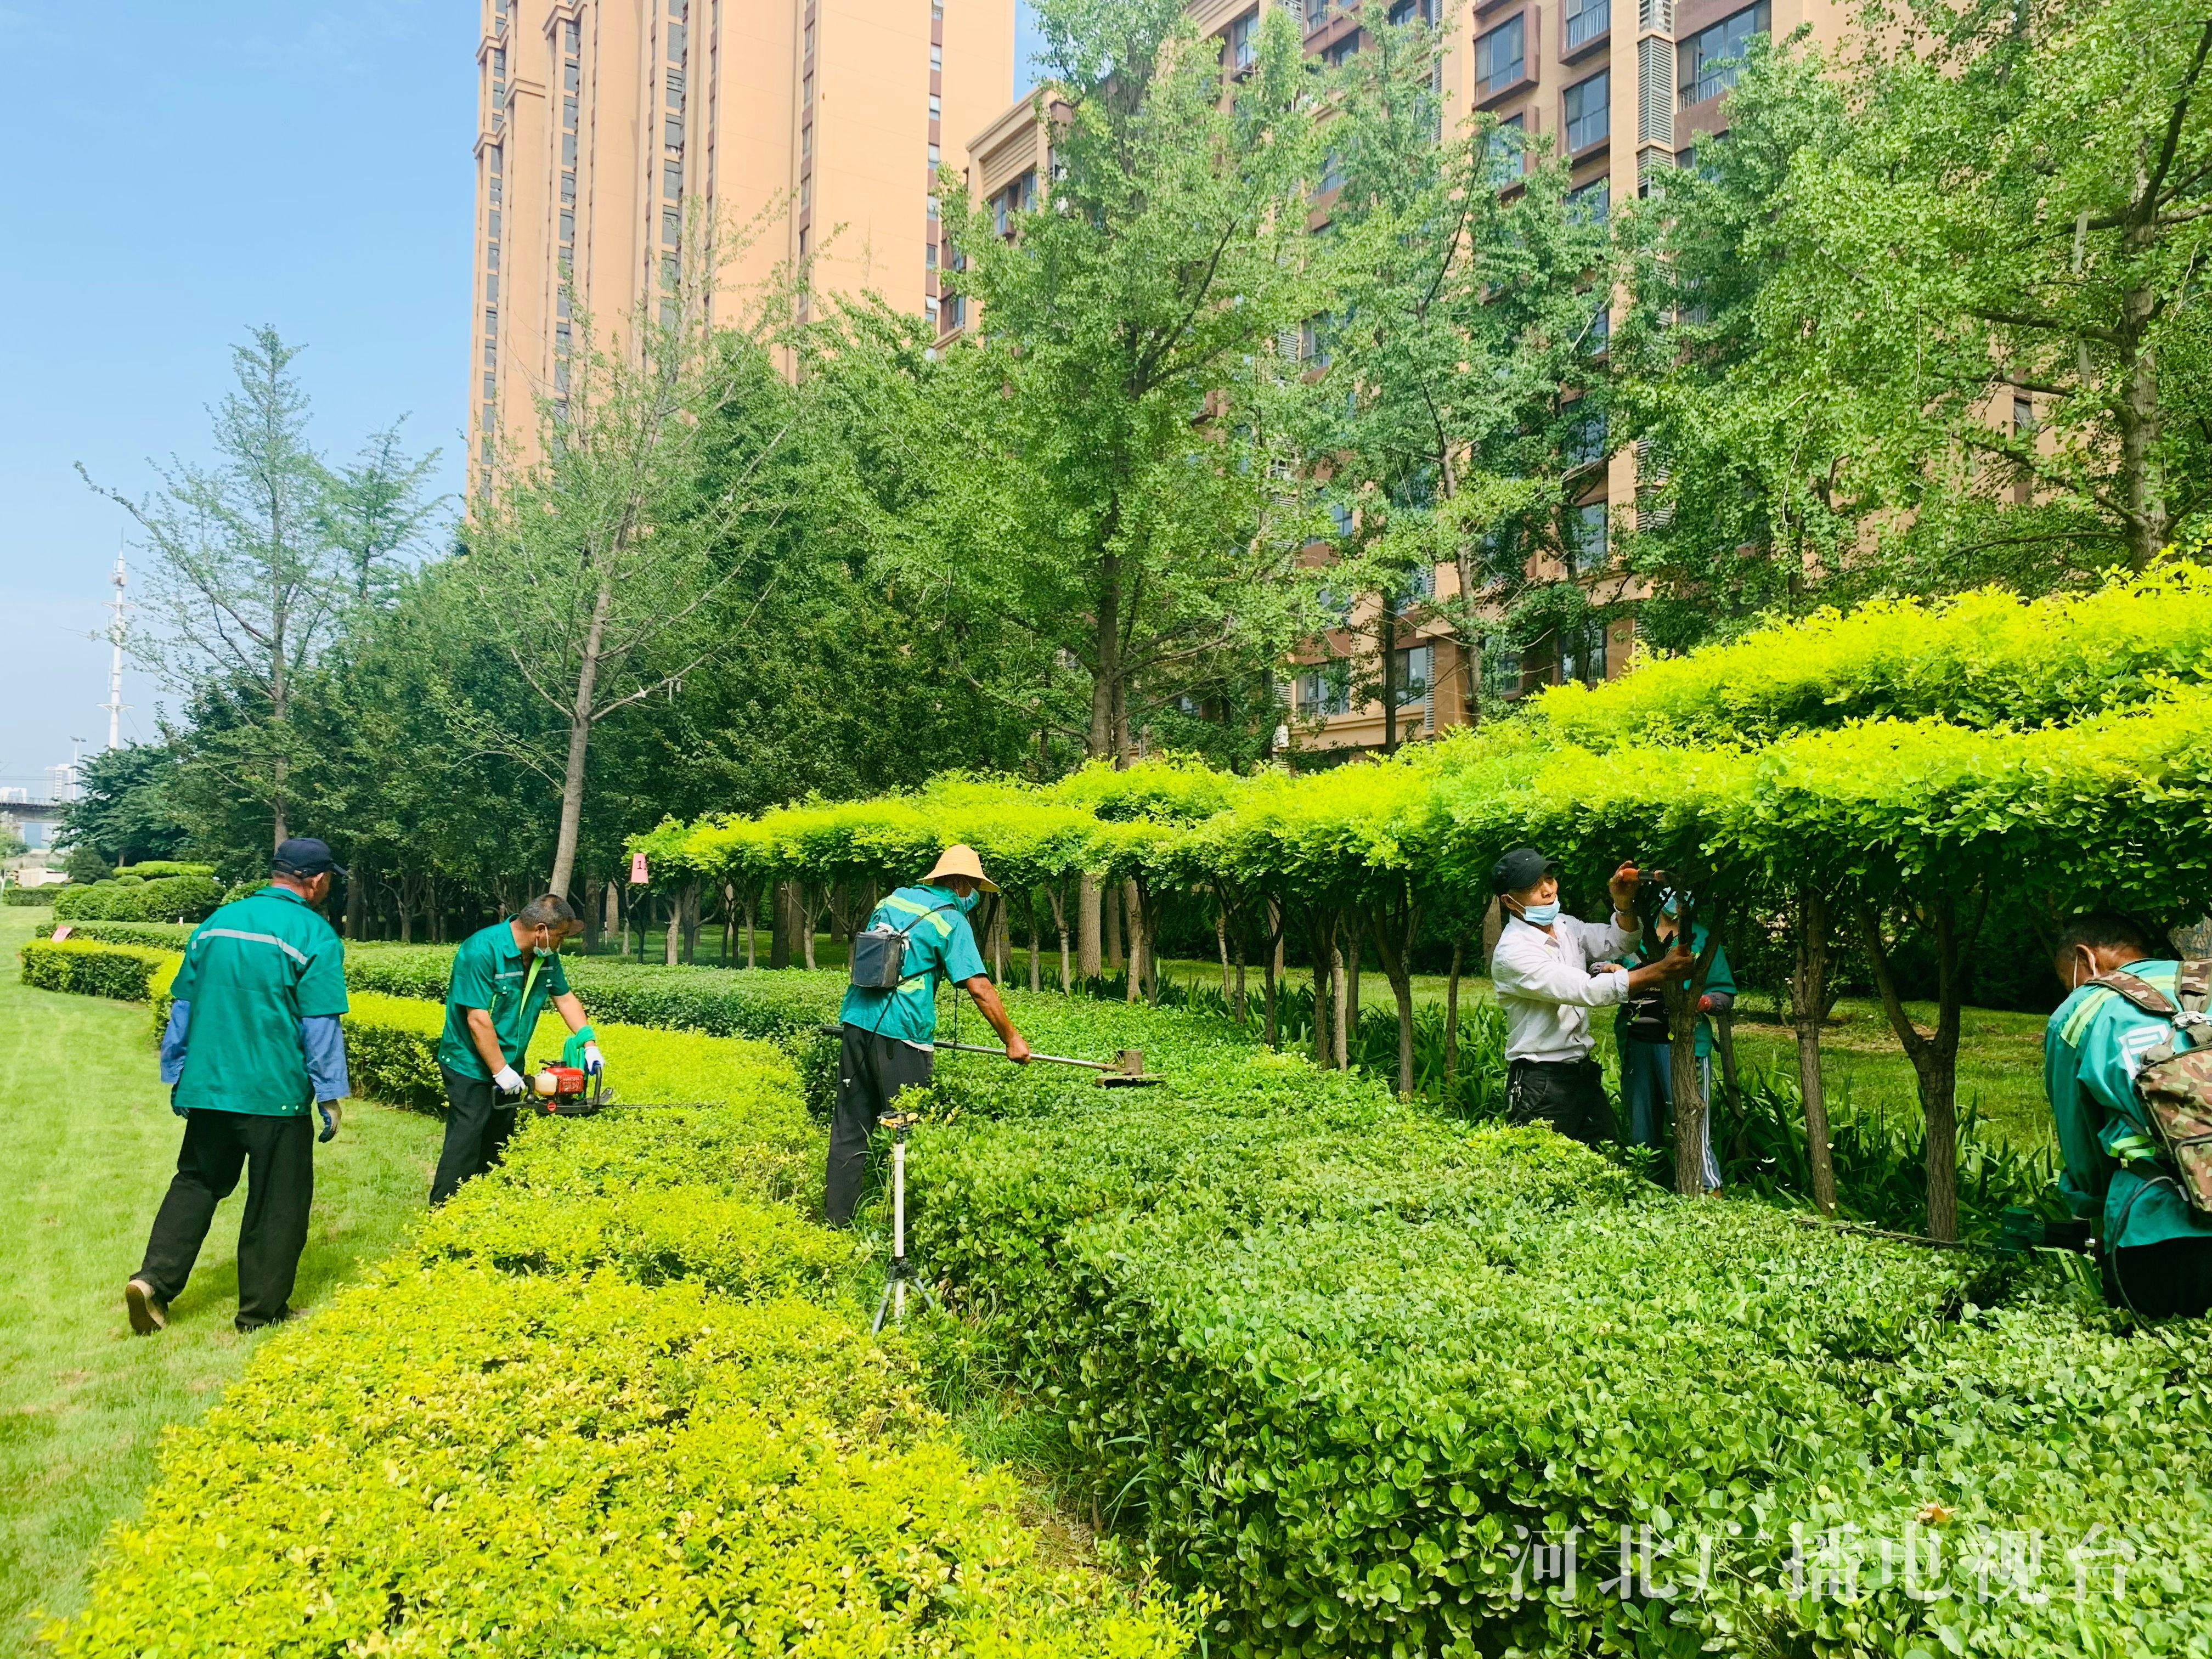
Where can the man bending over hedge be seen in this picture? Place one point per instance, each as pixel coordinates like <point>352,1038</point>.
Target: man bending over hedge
<point>503,976</point>
<point>1550,970</point>
<point>889,1035</point>
<point>2157,1246</point>
<point>252,1042</point>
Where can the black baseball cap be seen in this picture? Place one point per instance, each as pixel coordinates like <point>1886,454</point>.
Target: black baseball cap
<point>1524,866</point>
<point>303,855</point>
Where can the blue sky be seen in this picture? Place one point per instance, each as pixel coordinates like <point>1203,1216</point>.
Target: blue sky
<point>175,176</point>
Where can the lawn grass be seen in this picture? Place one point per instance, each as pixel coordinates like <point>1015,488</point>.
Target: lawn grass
<point>89,1147</point>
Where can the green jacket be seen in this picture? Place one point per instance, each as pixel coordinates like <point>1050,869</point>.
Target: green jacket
<point>491,972</point>
<point>939,944</point>
<point>251,972</point>
<point>1717,978</point>
<point>2092,1049</point>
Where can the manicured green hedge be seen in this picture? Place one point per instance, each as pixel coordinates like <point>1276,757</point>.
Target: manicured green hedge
<point>29,898</point>
<point>617,1398</point>
<point>1341,1363</point>
<point>129,897</point>
<point>167,935</point>
<point>94,967</point>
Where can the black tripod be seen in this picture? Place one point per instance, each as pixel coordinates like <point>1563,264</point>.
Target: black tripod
<point>901,1270</point>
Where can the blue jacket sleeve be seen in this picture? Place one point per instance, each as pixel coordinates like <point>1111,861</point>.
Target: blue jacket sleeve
<point>322,1039</point>
<point>172,1041</point>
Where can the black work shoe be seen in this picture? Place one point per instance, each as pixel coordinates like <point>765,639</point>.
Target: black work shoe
<point>281,1316</point>
<point>148,1313</point>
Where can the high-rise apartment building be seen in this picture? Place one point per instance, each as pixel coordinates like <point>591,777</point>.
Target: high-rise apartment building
<point>608,128</point>
<point>1625,89</point>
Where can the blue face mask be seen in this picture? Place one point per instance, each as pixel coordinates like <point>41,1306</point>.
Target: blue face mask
<point>1540,915</point>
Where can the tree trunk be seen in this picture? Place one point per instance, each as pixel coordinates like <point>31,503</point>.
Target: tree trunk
<point>1221,943</point>
<point>1112,906</point>
<point>1058,897</point>
<point>1395,934</point>
<point>810,912</point>
<point>356,904</point>
<point>1935,1057</point>
<point>1688,1087</point>
<point>691,913</point>
<point>580,741</point>
<point>1036,943</point>
<point>672,937</point>
<point>1339,1042</point>
<point>752,902</point>
<point>1321,930</point>
<point>1451,1013</point>
<point>783,923</point>
<point>1809,1001</point>
<point>729,923</point>
<point>1089,962</point>
<point>1355,952</point>
<point>589,913</point>
<point>1133,907</point>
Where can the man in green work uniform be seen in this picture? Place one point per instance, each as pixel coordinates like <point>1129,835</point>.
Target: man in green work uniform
<point>503,976</point>
<point>1647,1059</point>
<point>889,1036</point>
<point>252,1042</point>
<point>2157,1250</point>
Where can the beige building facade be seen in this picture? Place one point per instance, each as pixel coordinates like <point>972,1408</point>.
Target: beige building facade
<point>1625,89</point>
<point>609,130</point>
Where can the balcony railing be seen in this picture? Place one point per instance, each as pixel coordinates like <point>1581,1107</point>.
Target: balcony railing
<point>1711,84</point>
<point>1595,18</point>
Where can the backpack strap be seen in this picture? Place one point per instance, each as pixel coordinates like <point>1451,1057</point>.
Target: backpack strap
<point>2192,983</point>
<point>2143,994</point>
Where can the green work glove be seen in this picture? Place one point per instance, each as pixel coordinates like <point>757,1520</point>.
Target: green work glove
<point>330,1111</point>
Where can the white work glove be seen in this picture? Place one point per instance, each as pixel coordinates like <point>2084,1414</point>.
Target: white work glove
<point>594,1061</point>
<point>331,1113</point>
<point>509,1082</point>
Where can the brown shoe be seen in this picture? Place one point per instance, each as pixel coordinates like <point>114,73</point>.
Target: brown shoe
<point>148,1313</point>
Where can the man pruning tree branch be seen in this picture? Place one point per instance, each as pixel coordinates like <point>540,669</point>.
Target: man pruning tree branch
<point>1550,970</point>
<point>888,1034</point>
<point>503,976</point>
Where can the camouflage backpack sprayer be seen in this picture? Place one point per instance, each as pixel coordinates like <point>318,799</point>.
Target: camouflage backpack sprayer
<point>2174,1083</point>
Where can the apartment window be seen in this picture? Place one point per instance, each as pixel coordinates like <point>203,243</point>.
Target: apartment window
<point>668,270</point>
<point>1415,674</point>
<point>1709,57</point>
<point>932,210</point>
<point>1592,203</point>
<point>671,181</point>
<point>676,89</point>
<point>936,155</point>
<point>1586,19</point>
<point>491,286</point>
<point>806,191</point>
<point>1343,51</point>
<point>929,307</point>
<point>806,143</point>
<point>807,47</point>
<point>676,43</point>
<point>1501,667</point>
<point>936,107</point>
<point>806,92</point>
<point>672,132</point>
<point>563,337</point>
<point>492,226</point>
<point>929,256</point>
<point>572,41</point>
<point>1316,14</point>
<point>561,305</point>
<point>1314,340</point>
<point>1582,653</point>
<point>936,56</point>
<point>2023,414</point>
<point>568,190</point>
<point>1001,211</point>
<point>492,353</point>
<point>568,149</point>
<point>1585,442</point>
<point>494,190</point>
<point>1244,40</point>
<point>1501,57</point>
<point>487,391</point>
<point>671,227</point>
<point>676,9</point>
<point>955,311</point>
<point>1595,343</point>
<point>1340,517</point>
<point>1587,108</point>
<point>936,11</point>
<point>561,376</point>
<point>1332,173</point>
<point>1586,534</point>
<point>1027,188</point>
<point>1506,148</point>
<point>572,78</point>
<point>1406,11</point>
<point>568,225</point>
<point>1325,690</point>
<point>491,320</point>
<point>568,115</point>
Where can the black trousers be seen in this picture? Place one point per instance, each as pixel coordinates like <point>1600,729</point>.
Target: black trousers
<point>1567,1094</point>
<point>278,1154</point>
<point>477,1128</point>
<point>2170,1280</point>
<point>871,1069</point>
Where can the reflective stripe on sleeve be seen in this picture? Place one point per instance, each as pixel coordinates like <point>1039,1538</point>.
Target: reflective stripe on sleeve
<point>291,951</point>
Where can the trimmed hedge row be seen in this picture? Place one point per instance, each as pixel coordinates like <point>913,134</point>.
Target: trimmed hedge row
<point>1351,1369</point>
<point>134,898</point>
<point>94,967</point>
<point>28,898</point>
<point>616,1398</point>
<point>169,935</point>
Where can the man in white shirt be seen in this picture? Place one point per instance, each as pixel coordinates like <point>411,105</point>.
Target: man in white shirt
<point>1549,971</point>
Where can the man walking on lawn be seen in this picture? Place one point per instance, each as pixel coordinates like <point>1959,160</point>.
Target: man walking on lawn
<point>252,1043</point>
<point>503,976</point>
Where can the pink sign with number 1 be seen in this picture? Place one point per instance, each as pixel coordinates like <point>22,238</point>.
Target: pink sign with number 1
<point>637,875</point>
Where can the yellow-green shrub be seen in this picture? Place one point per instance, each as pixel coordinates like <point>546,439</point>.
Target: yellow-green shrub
<point>452,1460</point>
